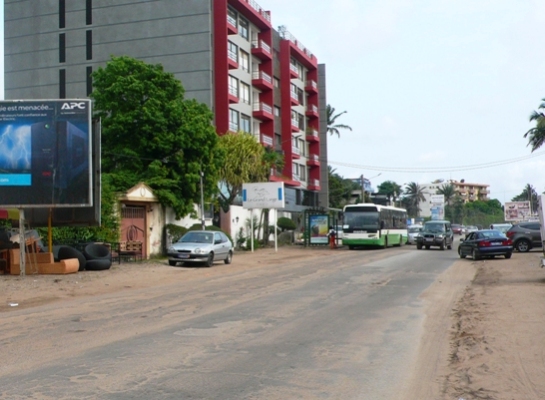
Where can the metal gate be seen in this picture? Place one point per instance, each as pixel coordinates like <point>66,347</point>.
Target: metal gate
<point>133,225</point>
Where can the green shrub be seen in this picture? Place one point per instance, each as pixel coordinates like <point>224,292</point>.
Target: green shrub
<point>285,238</point>
<point>257,245</point>
<point>176,231</point>
<point>285,224</point>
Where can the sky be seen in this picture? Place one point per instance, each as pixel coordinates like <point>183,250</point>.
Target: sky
<point>433,89</point>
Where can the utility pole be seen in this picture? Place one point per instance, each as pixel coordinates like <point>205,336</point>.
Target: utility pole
<point>362,189</point>
<point>202,203</point>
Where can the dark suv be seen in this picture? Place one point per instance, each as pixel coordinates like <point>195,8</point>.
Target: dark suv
<point>525,236</point>
<point>435,233</point>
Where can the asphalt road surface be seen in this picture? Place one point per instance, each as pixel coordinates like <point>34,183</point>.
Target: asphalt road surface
<point>342,327</point>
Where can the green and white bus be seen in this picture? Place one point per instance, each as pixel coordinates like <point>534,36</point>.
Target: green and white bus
<point>368,224</point>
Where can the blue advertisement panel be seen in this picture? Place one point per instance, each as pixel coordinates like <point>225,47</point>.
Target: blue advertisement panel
<point>45,153</point>
<point>319,227</point>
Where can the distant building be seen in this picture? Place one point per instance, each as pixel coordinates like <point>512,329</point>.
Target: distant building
<point>468,192</point>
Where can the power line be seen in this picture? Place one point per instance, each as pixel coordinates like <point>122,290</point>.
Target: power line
<point>438,169</point>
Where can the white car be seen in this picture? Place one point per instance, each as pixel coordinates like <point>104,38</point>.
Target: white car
<point>413,232</point>
<point>201,247</point>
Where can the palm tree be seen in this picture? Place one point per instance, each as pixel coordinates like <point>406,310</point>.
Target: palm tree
<point>448,191</point>
<point>536,135</point>
<point>528,194</point>
<point>332,126</point>
<point>414,194</point>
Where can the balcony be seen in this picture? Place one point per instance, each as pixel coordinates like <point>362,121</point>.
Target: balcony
<point>232,60</point>
<point>311,87</point>
<point>312,111</point>
<point>313,160</point>
<point>262,80</point>
<point>295,153</point>
<point>231,25</point>
<point>294,99</point>
<point>294,72</point>
<point>313,184</point>
<point>261,50</point>
<point>313,135</point>
<point>263,111</point>
<point>233,94</point>
<point>266,140</point>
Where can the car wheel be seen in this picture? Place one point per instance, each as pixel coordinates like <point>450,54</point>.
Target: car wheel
<point>508,255</point>
<point>171,263</point>
<point>442,245</point>
<point>449,246</point>
<point>523,246</point>
<point>427,247</point>
<point>419,246</point>
<point>229,258</point>
<point>474,255</point>
<point>210,260</point>
<point>460,253</point>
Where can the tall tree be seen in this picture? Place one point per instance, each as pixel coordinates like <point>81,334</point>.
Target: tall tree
<point>391,189</point>
<point>536,135</point>
<point>448,191</point>
<point>528,194</point>
<point>332,125</point>
<point>247,161</point>
<point>415,195</point>
<point>151,134</point>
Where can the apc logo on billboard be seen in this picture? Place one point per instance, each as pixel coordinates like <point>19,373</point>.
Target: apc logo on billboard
<point>73,105</point>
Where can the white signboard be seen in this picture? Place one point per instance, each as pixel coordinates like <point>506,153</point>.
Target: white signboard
<point>437,206</point>
<point>263,195</point>
<point>517,210</point>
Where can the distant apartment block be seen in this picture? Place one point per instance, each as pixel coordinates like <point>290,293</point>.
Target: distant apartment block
<point>225,52</point>
<point>468,192</point>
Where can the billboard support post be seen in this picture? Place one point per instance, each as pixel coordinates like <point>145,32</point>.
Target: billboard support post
<point>22,242</point>
<point>203,225</point>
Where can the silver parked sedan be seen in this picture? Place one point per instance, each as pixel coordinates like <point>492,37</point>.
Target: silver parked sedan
<point>202,247</point>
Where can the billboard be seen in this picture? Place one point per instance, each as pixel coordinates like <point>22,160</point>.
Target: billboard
<point>45,153</point>
<point>517,211</point>
<point>263,195</point>
<point>437,206</point>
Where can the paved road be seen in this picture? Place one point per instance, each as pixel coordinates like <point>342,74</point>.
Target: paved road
<point>308,330</point>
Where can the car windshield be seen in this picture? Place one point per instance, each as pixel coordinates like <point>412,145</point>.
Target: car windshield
<point>415,229</point>
<point>435,227</point>
<point>197,237</point>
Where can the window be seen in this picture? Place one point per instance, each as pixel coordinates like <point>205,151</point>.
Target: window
<point>276,82</point>
<point>62,14</point>
<point>278,139</point>
<point>302,173</point>
<point>276,111</point>
<point>301,121</point>
<point>244,61</point>
<point>245,123</point>
<point>62,47</point>
<point>245,93</point>
<point>232,51</point>
<point>233,120</point>
<point>300,96</point>
<point>89,80</point>
<point>301,71</point>
<point>232,16</point>
<point>302,147</point>
<point>62,84</point>
<point>89,44</point>
<point>233,86</point>
<point>89,12</point>
<point>244,28</point>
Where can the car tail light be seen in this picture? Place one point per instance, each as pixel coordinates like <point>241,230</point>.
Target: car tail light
<point>510,234</point>
<point>507,242</point>
<point>484,243</point>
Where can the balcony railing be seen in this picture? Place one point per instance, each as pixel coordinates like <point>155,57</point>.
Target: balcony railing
<point>267,140</point>
<point>262,107</point>
<point>313,108</point>
<point>233,90</point>
<point>260,44</point>
<point>312,84</point>
<point>262,75</point>
<point>232,55</point>
<point>231,21</point>
<point>285,34</point>
<point>259,9</point>
<point>294,69</point>
<point>295,150</point>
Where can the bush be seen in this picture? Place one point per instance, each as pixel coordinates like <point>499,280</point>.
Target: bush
<point>285,224</point>
<point>176,231</point>
<point>285,238</point>
<point>257,245</point>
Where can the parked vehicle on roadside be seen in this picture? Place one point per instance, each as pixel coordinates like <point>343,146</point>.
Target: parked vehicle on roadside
<point>436,233</point>
<point>471,228</point>
<point>201,247</point>
<point>525,236</point>
<point>503,227</point>
<point>457,229</point>
<point>414,231</point>
<point>485,243</point>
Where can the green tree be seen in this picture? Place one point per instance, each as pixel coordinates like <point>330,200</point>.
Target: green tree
<point>341,189</point>
<point>448,191</point>
<point>151,134</point>
<point>391,190</point>
<point>528,194</point>
<point>247,161</point>
<point>536,135</point>
<point>332,125</point>
<point>414,194</point>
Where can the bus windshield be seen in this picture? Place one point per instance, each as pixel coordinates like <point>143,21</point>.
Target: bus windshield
<point>361,221</point>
